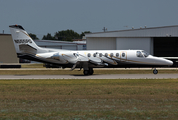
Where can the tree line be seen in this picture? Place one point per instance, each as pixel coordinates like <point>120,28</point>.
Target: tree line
<point>64,35</point>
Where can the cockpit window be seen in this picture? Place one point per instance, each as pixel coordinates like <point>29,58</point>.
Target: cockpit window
<point>142,54</point>
<point>145,53</point>
<point>139,54</point>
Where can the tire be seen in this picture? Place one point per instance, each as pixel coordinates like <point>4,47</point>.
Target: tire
<point>91,72</point>
<point>86,72</point>
<point>155,71</point>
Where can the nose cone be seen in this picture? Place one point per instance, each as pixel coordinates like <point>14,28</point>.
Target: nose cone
<point>169,62</point>
<point>160,61</point>
<point>165,62</point>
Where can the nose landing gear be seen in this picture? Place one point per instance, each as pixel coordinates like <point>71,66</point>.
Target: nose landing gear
<point>155,71</point>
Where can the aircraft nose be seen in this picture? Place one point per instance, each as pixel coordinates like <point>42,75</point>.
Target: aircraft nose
<point>169,62</point>
<point>165,62</point>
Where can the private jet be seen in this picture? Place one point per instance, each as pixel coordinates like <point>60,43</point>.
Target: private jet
<point>26,48</point>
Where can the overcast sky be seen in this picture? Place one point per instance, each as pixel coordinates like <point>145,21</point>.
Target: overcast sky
<point>49,16</point>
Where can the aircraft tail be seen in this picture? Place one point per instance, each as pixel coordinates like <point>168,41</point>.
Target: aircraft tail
<point>22,41</point>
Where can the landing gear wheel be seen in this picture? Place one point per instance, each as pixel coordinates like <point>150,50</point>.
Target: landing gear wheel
<point>155,71</point>
<point>91,71</point>
<point>86,72</point>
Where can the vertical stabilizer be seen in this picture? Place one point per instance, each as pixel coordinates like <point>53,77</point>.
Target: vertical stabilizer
<point>22,41</point>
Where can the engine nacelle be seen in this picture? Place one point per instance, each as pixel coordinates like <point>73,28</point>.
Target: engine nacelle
<point>68,57</point>
<point>48,55</point>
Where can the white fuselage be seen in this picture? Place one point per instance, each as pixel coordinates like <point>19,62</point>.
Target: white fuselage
<point>104,57</point>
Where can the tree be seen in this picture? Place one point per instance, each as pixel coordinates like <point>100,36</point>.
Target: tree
<point>33,36</point>
<point>48,37</point>
<point>83,34</point>
<point>66,35</point>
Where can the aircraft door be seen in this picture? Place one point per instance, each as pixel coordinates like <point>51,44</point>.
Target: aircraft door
<point>123,56</point>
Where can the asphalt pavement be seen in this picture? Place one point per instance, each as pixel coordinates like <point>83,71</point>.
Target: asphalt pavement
<point>110,76</point>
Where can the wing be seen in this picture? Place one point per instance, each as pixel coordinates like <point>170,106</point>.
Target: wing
<point>82,61</point>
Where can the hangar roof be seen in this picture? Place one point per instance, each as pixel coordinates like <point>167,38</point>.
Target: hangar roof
<point>4,34</point>
<point>165,31</point>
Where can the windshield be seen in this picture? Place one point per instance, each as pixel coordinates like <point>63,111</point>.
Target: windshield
<point>142,54</point>
<point>145,53</point>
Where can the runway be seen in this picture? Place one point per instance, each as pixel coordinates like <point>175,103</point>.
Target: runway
<point>110,76</point>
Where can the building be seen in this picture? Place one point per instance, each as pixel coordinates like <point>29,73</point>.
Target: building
<point>158,41</point>
<point>76,45</point>
<point>7,49</point>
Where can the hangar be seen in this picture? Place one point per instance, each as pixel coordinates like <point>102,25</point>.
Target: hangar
<point>75,45</point>
<point>7,49</point>
<point>158,41</point>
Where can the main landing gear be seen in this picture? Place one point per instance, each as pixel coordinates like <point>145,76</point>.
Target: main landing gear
<point>155,71</point>
<point>88,72</point>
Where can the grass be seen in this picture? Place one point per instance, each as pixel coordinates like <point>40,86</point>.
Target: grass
<point>89,99</point>
<point>32,65</point>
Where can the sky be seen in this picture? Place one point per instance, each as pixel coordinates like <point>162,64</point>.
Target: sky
<point>49,16</point>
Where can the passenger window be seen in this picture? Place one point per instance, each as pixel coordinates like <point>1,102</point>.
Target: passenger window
<point>123,54</point>
<point>100,54</point>
<point>106,54</point>
<point>139,54</point>
<point>111,55</point>
<point>117,54</point>
<point>89,55</point>
<point>94,55</point>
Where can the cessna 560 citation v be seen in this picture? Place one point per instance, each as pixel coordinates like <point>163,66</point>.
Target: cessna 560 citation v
<point>86,59</point>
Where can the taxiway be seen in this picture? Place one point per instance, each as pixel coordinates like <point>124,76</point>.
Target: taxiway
<point>110,76</point>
